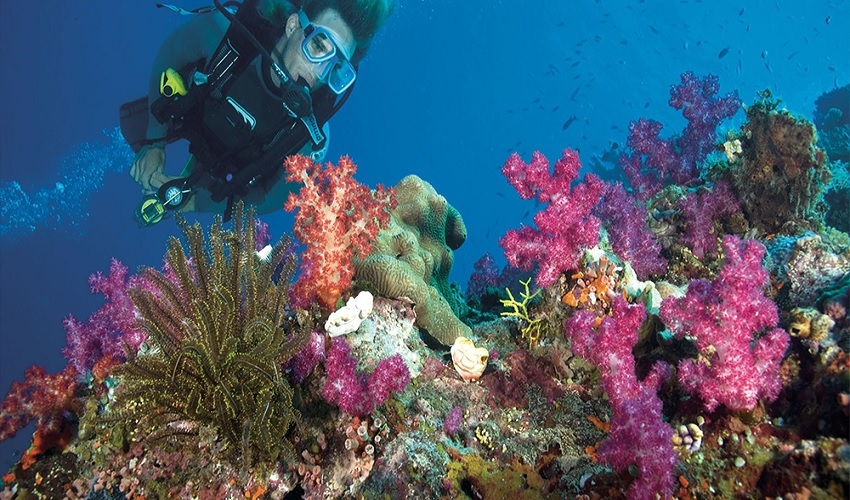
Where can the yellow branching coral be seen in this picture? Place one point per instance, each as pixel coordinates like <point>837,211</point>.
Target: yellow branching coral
<point>532,330</point>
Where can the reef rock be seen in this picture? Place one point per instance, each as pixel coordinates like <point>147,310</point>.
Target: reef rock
<point>783,174</point>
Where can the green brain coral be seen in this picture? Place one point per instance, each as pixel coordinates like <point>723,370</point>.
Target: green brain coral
<point>412,258</point>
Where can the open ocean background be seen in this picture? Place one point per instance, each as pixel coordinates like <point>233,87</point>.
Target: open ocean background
<point>448,91</point>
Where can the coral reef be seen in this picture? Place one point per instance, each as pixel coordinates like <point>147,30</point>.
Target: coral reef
<point>469,361</point>
<point>355,393</point>
<point>724,318</point>
<point>638,434</point>
<point>40,397</point>
<point>626,222</point>
<point>112,329</point>
<point>832,119</point>
<point>813,266</point>
<point>412,258</point>
<point>701,210</point>
<point>724,374</point>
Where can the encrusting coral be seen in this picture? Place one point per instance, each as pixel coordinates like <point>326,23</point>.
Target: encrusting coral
<point>784,174</point>
<point>412,257</point>
<point>218,330</point>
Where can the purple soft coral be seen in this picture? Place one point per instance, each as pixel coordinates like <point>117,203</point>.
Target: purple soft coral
<point>301,366</point>
<point>625,219</point>
<point>700,210</point>
<point>485,275</point>
<point>653,161</point>
<point>358,394</point>
<point>724,317</point>
<point>111,329</point>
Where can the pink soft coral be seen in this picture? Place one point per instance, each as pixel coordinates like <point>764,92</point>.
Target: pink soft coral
<point>565,227</point>
<point>639,435</point>
<point>724,317</point>
<point>337,219</point>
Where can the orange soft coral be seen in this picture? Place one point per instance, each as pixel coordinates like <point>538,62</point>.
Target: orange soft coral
<point>337,219</point>
<point>41,397</point>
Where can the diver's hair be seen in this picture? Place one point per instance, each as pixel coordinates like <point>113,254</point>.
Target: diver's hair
<point>276,11</point>
<point>364,17</point>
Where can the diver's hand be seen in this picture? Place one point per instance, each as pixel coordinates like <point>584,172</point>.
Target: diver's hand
<point>148,167</point>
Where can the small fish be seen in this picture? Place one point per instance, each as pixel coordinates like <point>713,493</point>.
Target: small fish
<point>556,108</point>
<point>525,215</point>
<point>646,105</point>
<point>764,54</point>
<point>569,122</point>
<point>741,12</point>
<point>536,100</point>
<point>791,56</point>
<point>574,94</point>
<point>573,65</point>
<point>767,65</point>
<point>723,52</point>
<point>828,19</point>
<point>500,194</point>
<point>653,29</point>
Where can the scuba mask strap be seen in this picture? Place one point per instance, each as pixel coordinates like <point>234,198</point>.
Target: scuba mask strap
<point>185,12</point>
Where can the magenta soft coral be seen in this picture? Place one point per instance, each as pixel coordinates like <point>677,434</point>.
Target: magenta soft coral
<point>639,435</point>
<point>737,365</point>
<point>565,227</point>
<point>110,330</point>
<point>359,394</point>
<point>338,218</point>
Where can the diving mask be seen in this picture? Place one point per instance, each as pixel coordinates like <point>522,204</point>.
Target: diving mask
<point>322,47</point>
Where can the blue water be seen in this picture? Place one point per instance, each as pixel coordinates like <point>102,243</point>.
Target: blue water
<point>447,92</point>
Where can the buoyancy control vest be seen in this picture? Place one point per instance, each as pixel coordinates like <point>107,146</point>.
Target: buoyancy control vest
<point>239,130</point>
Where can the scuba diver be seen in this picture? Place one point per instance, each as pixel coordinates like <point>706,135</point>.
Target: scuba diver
<point>246,85</point>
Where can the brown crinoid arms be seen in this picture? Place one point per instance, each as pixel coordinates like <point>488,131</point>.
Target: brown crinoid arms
<point>218,327</point>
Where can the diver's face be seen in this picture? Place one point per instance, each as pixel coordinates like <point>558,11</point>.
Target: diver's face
<point>289,46</point>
